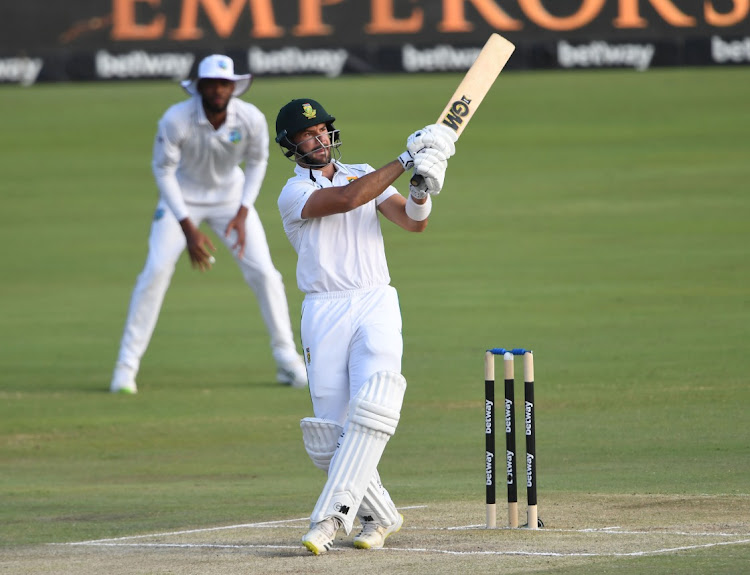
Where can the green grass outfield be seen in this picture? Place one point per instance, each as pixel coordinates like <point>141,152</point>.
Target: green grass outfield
<point>601,219</point>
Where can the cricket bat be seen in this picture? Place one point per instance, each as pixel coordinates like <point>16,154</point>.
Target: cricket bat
<point>474,87</point>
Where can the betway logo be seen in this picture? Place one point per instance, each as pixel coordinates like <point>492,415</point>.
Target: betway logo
<point>296,61</point>
<point>438,59</point>
<point>510,457</point>
<point>528,412</point>
<point>508,415</point>
<point>22,70</point>
<point>141,64</point>
<point>603,54</point>
<point>488,405</point>
<point>489,458</point>
<point>529,470</point>
<point>735,51</point>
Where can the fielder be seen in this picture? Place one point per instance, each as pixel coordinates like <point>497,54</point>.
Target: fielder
<point>199,146</point>
<point>351,321</point>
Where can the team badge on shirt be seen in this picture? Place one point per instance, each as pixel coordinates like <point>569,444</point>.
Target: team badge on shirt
<point>308,111</point>
<point>350,179</point>
<point>307,351</point>
<point>235,136</point>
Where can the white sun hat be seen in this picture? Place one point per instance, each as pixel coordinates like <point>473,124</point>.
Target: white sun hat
<point>218,66</point>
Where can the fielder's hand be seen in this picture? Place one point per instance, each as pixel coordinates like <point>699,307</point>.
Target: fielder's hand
<point>431,165</point>
<point>435,136</point>
<point>198,245</point>
<point>237,223</point>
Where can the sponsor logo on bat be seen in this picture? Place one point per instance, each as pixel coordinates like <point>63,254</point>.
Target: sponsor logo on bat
<point>455,116</point>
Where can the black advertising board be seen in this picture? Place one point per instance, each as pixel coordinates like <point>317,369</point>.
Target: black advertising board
<point>128,39</point>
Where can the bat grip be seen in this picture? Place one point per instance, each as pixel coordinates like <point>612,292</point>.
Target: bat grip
<point>416,179</point>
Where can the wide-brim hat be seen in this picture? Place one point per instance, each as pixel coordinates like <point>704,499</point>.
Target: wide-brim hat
<point>218,66</point>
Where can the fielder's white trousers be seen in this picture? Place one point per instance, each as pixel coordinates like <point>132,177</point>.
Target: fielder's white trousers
<point>165,245</point>
<point>346,338</point>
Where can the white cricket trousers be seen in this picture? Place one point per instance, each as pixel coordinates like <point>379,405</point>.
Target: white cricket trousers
<point>346,338</point>
<point>165,245</point>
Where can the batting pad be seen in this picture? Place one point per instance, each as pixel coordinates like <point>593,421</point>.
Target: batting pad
<point>321,438</point>
<point>377,504</point>
<point>373,417</point>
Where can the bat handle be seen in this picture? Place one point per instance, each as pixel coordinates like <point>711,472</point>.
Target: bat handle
<point>416,180</point>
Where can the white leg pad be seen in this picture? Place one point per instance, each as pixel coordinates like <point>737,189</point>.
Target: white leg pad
<point>373,417</point>
<point>377,504</point>
<point>321,438</point>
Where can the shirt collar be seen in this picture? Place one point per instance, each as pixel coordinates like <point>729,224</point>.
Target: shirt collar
<point>305,172</point>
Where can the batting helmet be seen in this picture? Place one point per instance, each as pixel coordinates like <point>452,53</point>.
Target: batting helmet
<point>298,115</point>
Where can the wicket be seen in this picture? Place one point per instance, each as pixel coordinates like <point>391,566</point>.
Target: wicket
<point>533,521</point>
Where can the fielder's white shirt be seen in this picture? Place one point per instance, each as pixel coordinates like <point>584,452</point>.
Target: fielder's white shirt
<point>340,252</point>
<point>194,163</point>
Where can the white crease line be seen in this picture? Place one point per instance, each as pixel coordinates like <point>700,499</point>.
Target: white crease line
<point>685,548</point>
<point>206,529</point>
<point>245,525</point>
<point>480,527</point>
<point>594,530</point>
<point>425,550</point>
<point>674,533</point>
<point>558,554</point>
<point>194,545</point>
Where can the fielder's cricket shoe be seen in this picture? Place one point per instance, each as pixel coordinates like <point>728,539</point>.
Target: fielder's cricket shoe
<point>320,538</point>
<point>292,373</point>
<point>373,536</point>
<point>123,380</point>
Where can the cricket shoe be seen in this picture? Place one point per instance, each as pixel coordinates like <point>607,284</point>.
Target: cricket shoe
<point>123,380</point>
<point>320,538</point>
<point>373,536</point>
<point>294,373</point>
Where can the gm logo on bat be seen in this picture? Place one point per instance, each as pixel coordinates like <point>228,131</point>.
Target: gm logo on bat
<point>455,117</point>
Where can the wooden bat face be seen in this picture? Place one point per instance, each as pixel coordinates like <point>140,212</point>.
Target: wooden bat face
<point>474,87</point>
<point>477,82</point>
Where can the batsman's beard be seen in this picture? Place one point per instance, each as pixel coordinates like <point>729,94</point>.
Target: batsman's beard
<point>317,158</point>
<point>324,150</point>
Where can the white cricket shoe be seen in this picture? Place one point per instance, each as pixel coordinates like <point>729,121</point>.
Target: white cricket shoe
<point>320,538</point>
<point>292,373</point>
<point>123,380</point>
<point>373,536</point>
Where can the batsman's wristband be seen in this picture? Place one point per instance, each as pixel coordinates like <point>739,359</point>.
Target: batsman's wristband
<point>407,161</point>
<point>418,212</point>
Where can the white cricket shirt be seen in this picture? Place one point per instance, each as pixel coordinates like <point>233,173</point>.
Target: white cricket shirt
<point>340,252</point>
<point>194,163</point>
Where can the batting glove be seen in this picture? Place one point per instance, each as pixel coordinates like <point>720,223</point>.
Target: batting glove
<point>431,165</point>
<point>435,136</point>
